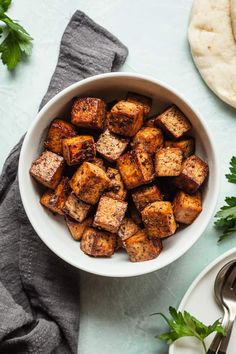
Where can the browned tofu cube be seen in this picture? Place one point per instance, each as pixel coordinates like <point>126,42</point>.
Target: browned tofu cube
<point>109,214</point>
<point>173,122</point>
<point>98,162</point>
<point>59,130</point>
<point>186,145</point>
<point>193,173</point>
<point>55,200</point>
<point>143,101</point>
<point>126,118</point>
<point>127,229</point>
<point>75,208</point>
<point>159,219</point>
<point>148,139</point>
<point>77,228</point>
<point>136,168</point>
<point>78,149</point>
<point>98,243</point>
<point>135,214</point>
<point>48,169</point>
<point>88,182</point>
<point>168,162</point>
<point>88,112</point>
<point>140,248</point>
<point>187,207</point>
<point>111,146</point>
<point>146,195</point>
<point>116,188</point>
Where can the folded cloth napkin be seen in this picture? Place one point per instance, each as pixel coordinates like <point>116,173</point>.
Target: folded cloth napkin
<point>39,293</point>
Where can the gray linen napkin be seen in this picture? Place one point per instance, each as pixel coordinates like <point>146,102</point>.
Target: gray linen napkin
<point>39,293</point>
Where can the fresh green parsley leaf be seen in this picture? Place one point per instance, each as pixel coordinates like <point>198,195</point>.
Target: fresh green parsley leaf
<point>5,4</point>
<point>17,42</point>
<point>182,324</point>
<point>226,218</point>
<point>232,175</point>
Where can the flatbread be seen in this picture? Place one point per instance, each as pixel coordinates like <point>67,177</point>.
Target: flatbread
<point>213,45</point>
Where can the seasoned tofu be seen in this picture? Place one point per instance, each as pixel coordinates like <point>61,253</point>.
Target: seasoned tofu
<point>173,122</point>
<point>111,146</point>
<point>127,229</point>
<point>58,130</point>
<point>141,100</point>
<point>48,169</point>
<point>159,220</point>
<point>88,182</point>
<point>168,162</point>
<point>193,173</point>
<point>78,149</point>
<point>88,112</point>
<point>146,195</point>
<point>187,146</point>
<point>116,188</point>
<point>136,168</point>
<point>135,214</point>
<point>140,248</point>
<point>75,208</point>
<point>98,243</point>
<point>187,207</point>
<point>109,214</point>
<point>148,139</point>
<point>98,162</point>
<point>77,228</point>
<point>126,118</point>
<point>55,200</point>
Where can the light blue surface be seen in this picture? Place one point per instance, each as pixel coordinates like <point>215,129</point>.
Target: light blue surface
<point>115,312</point>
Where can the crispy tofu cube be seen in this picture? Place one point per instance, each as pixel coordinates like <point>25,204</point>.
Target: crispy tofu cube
<point>141,100</point>
<point>159,219</point>
<point>126,118</point>
<point>136,168</point>
<point>59,130</point>
<point>98,162</point>
<point>109,214</point>
<point>116,188</point>
<point>111,146</point>
<point>140,248</point>
<point>148,139</point>
<point>187,207</point>
<point>173,122</point>
<point>77,228</point>
<point>134,213</point>
<point>186,145</point>
<point>168,162</point>
<point>98,243</point>
<point>48,169</point>
<point>78,149</point>
<point>55,200</point>
<point>88,112</point>
<point>127,229</point>
<point>146,195</point>
<point>75,208</point>
<point>88,182</point>
<point>193,173</point>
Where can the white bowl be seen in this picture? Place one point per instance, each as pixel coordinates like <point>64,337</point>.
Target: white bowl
<point>52,229</point>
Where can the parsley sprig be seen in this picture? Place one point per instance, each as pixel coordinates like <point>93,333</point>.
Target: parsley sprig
<point>226,216</point>
<point>16,42</point>
<point>182,324</point>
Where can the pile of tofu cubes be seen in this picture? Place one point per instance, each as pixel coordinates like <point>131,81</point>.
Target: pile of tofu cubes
<point>121,179</point>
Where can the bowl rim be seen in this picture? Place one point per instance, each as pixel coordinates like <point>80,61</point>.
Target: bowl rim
<point>154,266</point>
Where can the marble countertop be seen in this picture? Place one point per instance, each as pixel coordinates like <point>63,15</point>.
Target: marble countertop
<point>115,312</point>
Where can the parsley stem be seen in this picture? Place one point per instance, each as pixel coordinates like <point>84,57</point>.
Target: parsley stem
<point>204,346</point>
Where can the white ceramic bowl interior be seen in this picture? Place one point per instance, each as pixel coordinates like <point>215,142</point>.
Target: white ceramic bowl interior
<point>52,229</point>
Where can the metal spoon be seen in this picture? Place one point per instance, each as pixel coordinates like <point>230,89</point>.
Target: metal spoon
<point>219,282</point>
<point>228,295</point>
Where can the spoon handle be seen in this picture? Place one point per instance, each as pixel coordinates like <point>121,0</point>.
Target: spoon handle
<point>218,337</point>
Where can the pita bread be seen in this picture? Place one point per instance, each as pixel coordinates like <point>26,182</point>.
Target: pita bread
<point>213,45</point>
